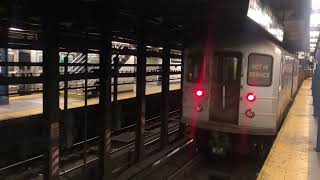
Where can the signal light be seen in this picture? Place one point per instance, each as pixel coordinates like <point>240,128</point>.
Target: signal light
<point>251,97</point>
<point>250,113</point>
<point>199,93</point>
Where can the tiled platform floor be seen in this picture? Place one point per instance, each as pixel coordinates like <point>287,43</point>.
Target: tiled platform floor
<point>293,155</point>
<point>22,106</point>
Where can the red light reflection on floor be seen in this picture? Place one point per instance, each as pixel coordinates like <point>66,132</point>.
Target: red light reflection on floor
<point>207,53</point>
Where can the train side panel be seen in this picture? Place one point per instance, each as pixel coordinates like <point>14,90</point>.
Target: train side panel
<point>295,77</point>
<point>288,85</point>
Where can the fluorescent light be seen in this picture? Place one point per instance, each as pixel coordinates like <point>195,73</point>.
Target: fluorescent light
<point>314,34</point>
<point>261,14</point>
<point>15,29</point>
<point>314,22</point>
<point>313,40</point>
<point>315,4</point>
<point>314,19</point>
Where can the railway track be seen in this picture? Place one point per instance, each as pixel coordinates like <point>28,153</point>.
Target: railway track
<point>188,163</point>
<point>163,166</point>
<point>182,162</point>
<point>234,167</point>
<point>200,167</point>
<point>34,164</point>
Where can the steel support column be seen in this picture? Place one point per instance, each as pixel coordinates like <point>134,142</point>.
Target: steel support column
<point>182,125</point>
<point>116,110</point>
<point>165,95</point>
<point>105,168</point>
<point>115,78</point>
<point>141,96</point>
<point>85,115</point>
<point>65,82</point>
<point>4,89</point>
<point>51,96</point>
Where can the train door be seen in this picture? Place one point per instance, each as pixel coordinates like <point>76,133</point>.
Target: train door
<point>225,87</point>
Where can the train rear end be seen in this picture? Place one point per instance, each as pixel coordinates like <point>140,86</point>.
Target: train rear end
<point>228,104</point>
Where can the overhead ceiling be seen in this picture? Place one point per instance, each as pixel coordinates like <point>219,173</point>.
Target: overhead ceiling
<point>295,15</point>
<point>178,17</point>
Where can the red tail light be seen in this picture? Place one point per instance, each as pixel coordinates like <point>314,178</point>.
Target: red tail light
<point>199,92</point>
<point>251,97</point>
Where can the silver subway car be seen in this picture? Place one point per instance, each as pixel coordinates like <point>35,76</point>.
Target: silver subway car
<point>239,85</point>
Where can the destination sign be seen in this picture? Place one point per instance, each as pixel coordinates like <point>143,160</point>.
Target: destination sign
<point>260,70</point>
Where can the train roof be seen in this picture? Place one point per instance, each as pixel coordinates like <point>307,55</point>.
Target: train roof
<point>248,44</point>
<point>249,36</point>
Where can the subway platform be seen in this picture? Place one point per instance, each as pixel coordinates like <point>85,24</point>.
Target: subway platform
<point>28,105</point>
<point>293,155</point>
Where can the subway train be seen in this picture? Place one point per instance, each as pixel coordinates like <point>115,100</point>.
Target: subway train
<point>27,56</point>
<point>237,89</point>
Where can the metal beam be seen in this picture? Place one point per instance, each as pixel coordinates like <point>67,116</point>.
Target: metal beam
<point>116,110</point>
<point>105,168</point>
<point>4,70</point>
<point>85,116</point>
<point>141,95</point>
<point>51,97</point>
<point>182,125</point>
<point>20,80</point>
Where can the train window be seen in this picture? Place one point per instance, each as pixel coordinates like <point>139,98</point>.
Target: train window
<point>260,70</point>
<point>24,57</point>
<point>11,59</point>
<point>230,69</point>
<point>194,67</point>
